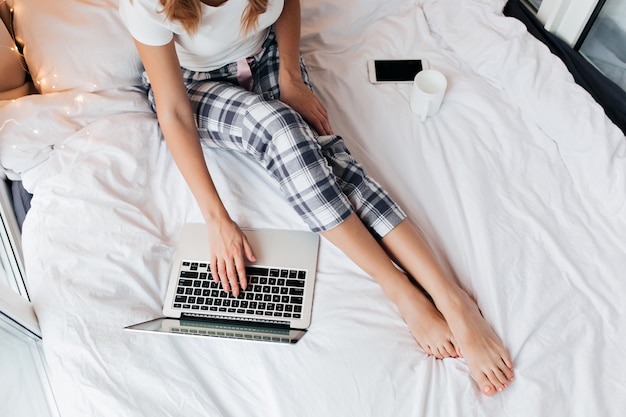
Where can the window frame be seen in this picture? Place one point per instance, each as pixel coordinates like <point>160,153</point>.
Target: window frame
<point>10,237</point>
<point>568,19</point>
<point>16,310</point>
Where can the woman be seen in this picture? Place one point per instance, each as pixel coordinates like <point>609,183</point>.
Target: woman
<point>212,72</point>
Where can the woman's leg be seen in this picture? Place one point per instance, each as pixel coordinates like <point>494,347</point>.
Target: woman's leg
<point>426,324</point>
<point>488,360</point>
<point>466,331</point>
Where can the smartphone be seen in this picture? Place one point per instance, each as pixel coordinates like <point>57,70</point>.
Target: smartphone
<point>395,70</point>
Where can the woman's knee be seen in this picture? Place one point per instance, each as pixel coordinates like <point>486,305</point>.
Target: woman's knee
<point>274,122</point>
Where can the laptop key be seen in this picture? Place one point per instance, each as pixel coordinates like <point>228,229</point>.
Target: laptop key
<point>253,270</point>
<point>270,292</point>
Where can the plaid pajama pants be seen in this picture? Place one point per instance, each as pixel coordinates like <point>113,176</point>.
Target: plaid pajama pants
<point>317,174</point>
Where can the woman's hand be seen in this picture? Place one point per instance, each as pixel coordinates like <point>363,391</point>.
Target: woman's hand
<point>229,250</point>
<point>299,97</point>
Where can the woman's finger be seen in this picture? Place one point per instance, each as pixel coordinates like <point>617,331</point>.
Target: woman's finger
<point>214,271</point>
<point>231,275</point>
<point>248,251</point>
<point>242,279</point>
<point>324,121</point>
<point>320,123</point>
<point>223,275</point>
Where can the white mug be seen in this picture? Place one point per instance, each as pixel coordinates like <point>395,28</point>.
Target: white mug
<point>427,93</point>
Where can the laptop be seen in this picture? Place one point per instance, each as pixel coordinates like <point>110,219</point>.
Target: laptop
<point>276,306</point>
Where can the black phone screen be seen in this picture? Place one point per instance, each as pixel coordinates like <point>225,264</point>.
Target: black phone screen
<point>397,70</point>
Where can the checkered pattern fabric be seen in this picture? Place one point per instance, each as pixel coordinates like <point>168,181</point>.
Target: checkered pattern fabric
<point>317,174</point>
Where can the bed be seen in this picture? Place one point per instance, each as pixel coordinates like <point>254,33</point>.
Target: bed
<point>518,183</point>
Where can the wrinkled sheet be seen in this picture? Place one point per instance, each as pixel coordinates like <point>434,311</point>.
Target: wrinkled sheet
<point>518,183</point>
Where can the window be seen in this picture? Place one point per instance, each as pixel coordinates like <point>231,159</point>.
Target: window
<point>25,389</point>
<point>24,386</point>
<point>595,28</point>
<point>534,4</point>
<point>603,41</point>
<point>11,266</point>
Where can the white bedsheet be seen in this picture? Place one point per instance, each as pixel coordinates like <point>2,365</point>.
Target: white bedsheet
<point>518,183</point>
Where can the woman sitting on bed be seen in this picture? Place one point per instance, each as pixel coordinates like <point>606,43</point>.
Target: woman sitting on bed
<point>213,74</point>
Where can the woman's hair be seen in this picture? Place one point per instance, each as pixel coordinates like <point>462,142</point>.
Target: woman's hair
<point>189,13</point>
<point>251,14</point>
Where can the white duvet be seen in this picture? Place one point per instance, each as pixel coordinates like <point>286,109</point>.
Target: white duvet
<point>518,183</point>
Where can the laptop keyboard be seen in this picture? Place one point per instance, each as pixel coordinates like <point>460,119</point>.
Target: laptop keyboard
<point>271,292</point>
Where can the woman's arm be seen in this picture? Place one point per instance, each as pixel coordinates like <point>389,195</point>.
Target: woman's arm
<point>228,243</point>
<point>293,91</point>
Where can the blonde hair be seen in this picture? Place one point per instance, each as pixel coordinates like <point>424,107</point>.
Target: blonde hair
<point>189,13</point>
<point>251,14</point>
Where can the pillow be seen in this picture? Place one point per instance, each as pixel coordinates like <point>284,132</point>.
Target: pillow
<point>76,45</point>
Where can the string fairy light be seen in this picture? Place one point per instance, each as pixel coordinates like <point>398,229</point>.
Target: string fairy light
<point>6,122</point>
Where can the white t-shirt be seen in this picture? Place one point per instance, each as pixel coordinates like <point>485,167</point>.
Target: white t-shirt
<point>218,40</point>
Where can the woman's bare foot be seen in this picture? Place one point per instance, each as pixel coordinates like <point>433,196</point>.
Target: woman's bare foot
<point>427,325</point>
<point>489,362</point>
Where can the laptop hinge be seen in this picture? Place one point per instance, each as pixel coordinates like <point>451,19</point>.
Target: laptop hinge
<point>237,320</point>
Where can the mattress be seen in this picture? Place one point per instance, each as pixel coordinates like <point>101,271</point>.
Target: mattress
<point>517,183</point>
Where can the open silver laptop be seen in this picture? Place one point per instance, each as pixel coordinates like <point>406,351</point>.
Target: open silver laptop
<point>275,307</point>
